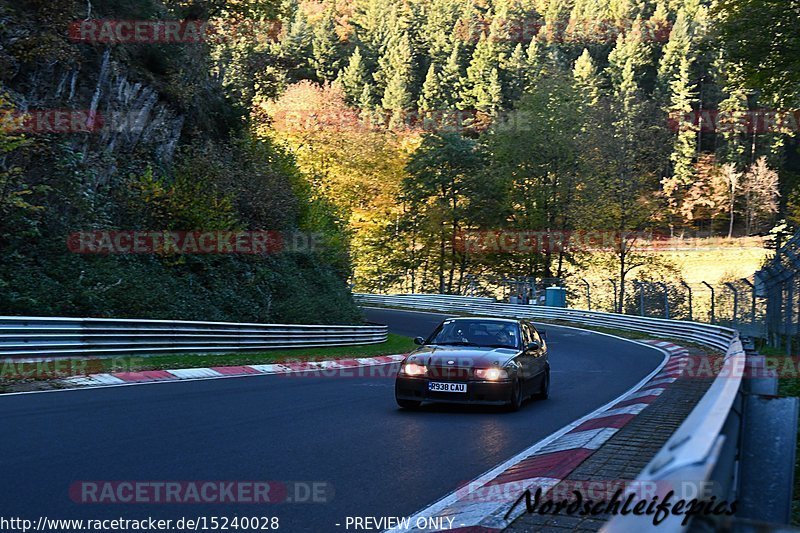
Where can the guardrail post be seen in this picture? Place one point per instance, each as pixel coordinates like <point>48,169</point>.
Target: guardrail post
<point>666,298</point>
<point>689,291</point>
<point>712,299</point>
<point>588,294</point>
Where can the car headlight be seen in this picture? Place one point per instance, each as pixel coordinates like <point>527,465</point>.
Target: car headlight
<point>491,374</point>
<point>413,369</point>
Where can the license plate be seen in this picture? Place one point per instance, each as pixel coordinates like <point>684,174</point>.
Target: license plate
<point>447,387</point>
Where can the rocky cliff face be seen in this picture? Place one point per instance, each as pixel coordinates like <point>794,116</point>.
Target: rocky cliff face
<point>127,114</point>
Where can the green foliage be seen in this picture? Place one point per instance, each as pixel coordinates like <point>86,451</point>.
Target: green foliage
<point>219,177</point>
<point>762,43</point>
<point>287,288</point>
<point>325,50</point>
<point>354,77</point>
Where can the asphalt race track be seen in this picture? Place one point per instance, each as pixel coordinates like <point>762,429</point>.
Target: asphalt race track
<point>345,431</point>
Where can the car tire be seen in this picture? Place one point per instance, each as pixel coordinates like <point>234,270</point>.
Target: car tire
<point>408,404</point>
<point>544,392</point>
<point>516,397</point>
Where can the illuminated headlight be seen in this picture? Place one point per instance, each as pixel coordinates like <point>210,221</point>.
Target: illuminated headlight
<point>413,369</point>
<point>492,374</point>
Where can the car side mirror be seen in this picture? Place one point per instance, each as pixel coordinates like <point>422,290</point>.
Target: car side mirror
<point>419,341</point>
<point>532,346</point>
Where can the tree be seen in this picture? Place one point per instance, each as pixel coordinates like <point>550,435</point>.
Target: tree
<point>684,148</point>
<point>442,173</point>
<point>517,71</point>
<point>623,168</point>
<point>398,64</point>
<point>325,48</point>
<point>760,190</point>
<point>489,95</point>
<point>586,78</point>
<point>761,41</point>
<point>677,49</point>
<point>482,82</point>
<point>354,77</point>
<point>432,97</point>
<point>630,51</point>
<point>732,178</point>
<point>537,160</point>
<point>712,193</point>
<point>296,47</point>
<point>450,78</point>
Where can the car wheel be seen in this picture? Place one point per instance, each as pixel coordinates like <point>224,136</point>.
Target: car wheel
<point>516,397</point>
<point>544,392</point>
<point>408,404</point>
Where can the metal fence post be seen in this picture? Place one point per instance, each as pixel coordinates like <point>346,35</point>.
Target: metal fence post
<point>614,284</point>
<point>688,290</point>
<point>712,299</point>
<point>639,285</point>
<point>666,298</point>
<point>735,300</point>
<point>788,311</point>
<point>752,301</point>
<point>588,294</point>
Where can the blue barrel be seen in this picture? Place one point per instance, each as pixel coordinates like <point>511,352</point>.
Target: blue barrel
<point>555,297</point>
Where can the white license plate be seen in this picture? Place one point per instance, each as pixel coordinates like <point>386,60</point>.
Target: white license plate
<point>447,387</point>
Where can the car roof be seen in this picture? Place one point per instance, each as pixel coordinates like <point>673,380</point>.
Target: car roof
<point>487,319</point>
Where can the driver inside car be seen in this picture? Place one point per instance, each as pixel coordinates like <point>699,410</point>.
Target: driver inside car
<point>506,337</point>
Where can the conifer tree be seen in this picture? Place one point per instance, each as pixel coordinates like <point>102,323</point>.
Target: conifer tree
<point>450,78</point>
<point>684,149</point>
<point>586,78</point>
<point>678,47</point>
<point>325,48</point>
<point>398,97</point>
<point>479,72</point>
<point>354,77</point>
<point>431,97</point>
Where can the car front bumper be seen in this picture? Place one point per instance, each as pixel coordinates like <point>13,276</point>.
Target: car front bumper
<point>478,392</point>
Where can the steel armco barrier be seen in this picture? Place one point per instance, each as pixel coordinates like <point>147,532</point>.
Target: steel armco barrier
<point>703,452</point>
<point>716,337</point>
<point>35,336</point>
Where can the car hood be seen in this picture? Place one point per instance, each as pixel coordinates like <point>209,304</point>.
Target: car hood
<point>462,356</point>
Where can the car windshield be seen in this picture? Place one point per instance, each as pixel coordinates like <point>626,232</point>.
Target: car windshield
<point>485,333</point>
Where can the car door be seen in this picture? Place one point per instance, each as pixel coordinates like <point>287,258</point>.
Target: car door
<point>528,359</point>
<point>538,357</point>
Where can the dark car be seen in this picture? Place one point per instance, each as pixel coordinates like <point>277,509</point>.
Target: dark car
<point>476,360</point>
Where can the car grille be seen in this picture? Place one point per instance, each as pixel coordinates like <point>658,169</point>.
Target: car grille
<point>449,373</point>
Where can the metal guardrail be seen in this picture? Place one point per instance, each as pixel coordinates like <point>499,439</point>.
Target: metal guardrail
<point>703,450</point>
<point>716,337</point>
<point>35,336</point>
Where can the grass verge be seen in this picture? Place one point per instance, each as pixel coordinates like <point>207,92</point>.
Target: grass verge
<point>14,373</point>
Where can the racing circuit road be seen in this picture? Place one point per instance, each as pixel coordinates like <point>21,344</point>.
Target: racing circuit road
<point>381,461</point>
